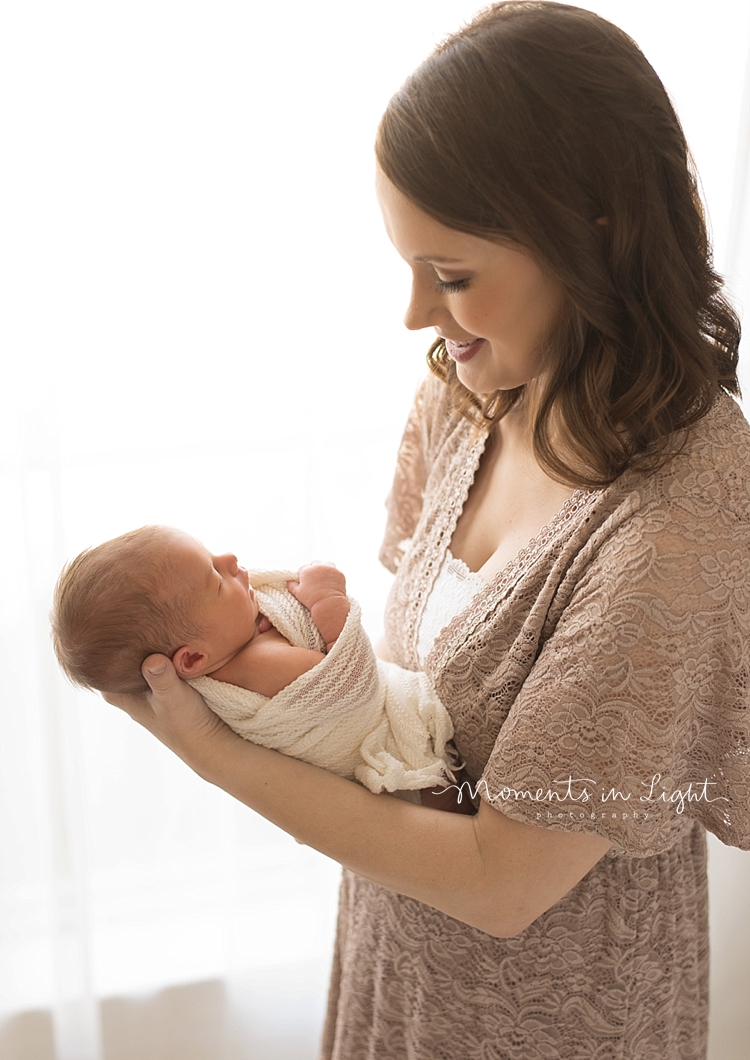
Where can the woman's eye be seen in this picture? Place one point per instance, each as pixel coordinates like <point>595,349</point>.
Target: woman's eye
<point>450,286</point>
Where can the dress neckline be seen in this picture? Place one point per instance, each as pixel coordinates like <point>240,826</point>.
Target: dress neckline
<point>490,592</point>
<point>457,473</point>
<point>563,515</point>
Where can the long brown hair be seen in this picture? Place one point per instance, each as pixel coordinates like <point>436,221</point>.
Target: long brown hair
<point>533,122</point>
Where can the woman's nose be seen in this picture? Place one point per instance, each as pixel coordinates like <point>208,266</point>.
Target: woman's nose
<point>426,308</point>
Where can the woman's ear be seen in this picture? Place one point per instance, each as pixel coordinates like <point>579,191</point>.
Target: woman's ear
<point>189,662</point>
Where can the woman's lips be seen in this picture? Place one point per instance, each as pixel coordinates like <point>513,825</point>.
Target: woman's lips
<point>462,351</point>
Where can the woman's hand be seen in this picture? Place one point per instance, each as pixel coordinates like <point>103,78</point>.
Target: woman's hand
<point>176,714</point>
<point>487,870</point>
<point>453,798</point>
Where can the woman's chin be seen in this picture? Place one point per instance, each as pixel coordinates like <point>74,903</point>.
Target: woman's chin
<point>484,385</point>
<point>485,382</point>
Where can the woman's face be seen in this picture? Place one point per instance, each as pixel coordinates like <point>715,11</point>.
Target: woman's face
<point>492,302</point>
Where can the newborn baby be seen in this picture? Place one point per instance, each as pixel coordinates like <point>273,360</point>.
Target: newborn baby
<point>282,658</point>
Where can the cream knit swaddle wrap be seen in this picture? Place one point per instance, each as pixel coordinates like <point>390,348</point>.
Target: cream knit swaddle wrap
<point>351,714</point>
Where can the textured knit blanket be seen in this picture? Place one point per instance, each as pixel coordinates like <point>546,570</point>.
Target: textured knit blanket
<point>351,714</point>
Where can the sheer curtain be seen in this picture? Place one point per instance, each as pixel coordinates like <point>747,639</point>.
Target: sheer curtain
<point>202,328</point>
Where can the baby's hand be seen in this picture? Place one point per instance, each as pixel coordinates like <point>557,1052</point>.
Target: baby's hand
<point>317,582</point>
<point>322,589</point>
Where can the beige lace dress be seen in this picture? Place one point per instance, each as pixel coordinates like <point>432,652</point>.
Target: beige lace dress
<point>599,684</point>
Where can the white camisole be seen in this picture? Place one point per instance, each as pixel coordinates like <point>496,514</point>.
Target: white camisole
<point>454,589</point>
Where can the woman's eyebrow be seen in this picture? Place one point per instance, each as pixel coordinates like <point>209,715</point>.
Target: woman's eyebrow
<point>434,259</point>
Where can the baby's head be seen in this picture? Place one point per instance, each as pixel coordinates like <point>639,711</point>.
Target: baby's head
<point>151,590</point>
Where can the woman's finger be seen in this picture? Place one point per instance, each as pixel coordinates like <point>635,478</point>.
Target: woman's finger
<point>161,677</point>
<point>181,718</point>
<point>137,706</point>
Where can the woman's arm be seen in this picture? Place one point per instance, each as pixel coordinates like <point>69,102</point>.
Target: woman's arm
<point>488,871</point>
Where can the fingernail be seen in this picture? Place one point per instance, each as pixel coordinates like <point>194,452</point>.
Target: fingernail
<point>156,670</point>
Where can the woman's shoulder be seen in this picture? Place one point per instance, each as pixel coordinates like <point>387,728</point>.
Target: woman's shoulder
<point>712,471</point>
<point>664,530</point>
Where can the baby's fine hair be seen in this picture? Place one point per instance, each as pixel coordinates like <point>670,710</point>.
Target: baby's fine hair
<point>115,605</point>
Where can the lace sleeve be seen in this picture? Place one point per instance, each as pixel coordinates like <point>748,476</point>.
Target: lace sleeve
<point>404,503</point>
<point>635,717</point>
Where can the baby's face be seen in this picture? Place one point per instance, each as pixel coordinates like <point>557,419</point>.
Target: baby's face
<point>223,604</point>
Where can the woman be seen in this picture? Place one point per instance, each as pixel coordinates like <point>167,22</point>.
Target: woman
<point>570,527</point>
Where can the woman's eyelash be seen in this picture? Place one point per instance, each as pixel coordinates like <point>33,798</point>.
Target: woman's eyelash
<point>450,286</point>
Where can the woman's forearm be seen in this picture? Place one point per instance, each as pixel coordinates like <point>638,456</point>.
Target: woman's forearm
<point>392,842</point>
<point>487,871</point>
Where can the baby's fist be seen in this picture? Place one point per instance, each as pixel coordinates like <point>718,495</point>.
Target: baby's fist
<point>322,589</point>
<point>316,582</point>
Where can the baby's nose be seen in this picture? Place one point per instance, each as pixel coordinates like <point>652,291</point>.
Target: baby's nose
<point>229,562</point>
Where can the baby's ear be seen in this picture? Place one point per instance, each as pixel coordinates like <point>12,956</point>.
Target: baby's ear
<point>188,662</point>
